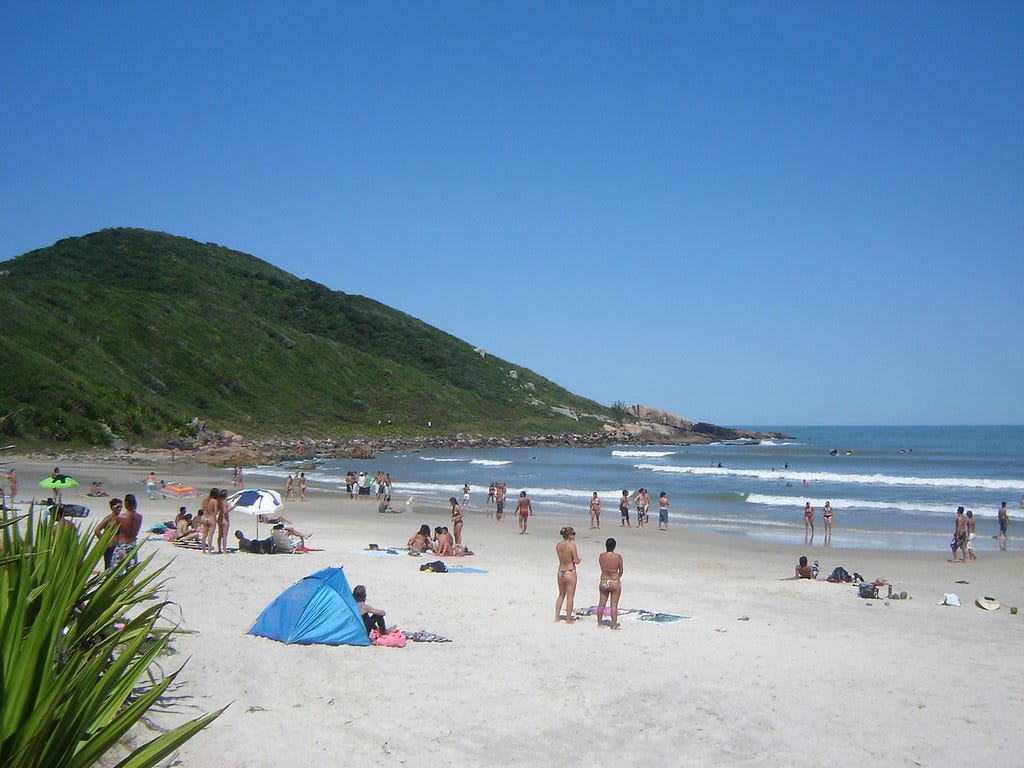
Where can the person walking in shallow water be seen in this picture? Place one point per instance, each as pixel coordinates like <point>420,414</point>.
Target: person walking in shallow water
<point>826,515</point>
<point>808,522</point>
<point>1004,523</point>
<point>568,559</point>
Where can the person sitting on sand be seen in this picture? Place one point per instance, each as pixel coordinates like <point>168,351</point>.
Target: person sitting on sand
<point>385,506</point>
<point>183,525</point>
<point>283,538</point>
<point>420,541</point>
<point>96,489</point>
<point>442,542</point>
<point>373,618</point>
<point>803,570</point>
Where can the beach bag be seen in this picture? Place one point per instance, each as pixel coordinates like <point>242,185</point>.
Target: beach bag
<point>868,591</point>
<point>393,639</point>
<point>437,566</point>
<point>839,574</point>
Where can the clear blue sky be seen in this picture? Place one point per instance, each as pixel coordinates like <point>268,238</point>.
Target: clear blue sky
<point>744,212</point>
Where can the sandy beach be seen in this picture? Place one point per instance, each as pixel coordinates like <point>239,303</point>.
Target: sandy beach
<point>763,671</point>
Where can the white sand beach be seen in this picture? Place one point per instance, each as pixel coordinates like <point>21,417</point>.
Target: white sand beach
<point>766,671</point>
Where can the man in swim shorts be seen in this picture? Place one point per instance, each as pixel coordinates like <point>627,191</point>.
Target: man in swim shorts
<point>959,534</point>
<point>525,510</point>
<point>624,510</point>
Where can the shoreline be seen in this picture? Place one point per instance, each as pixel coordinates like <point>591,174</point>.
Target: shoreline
<point>755,641</point>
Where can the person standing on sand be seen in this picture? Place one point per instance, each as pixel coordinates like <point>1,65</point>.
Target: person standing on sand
<point>624,510</point>
<point>111,519</point>
<point>970,537</point>
<point>456,520</point>
<point>499,501</point>
<point>302,486</point>
<point>568,559</point>
<point>808,522</point>
<point>210,508</point>
<point>289,487</point>
<point>959,534</point>
<point>129,523</point>
<point>610,585</point>
<point>1004,523</point>
<point>223,522</point>
<point>662,511</point>
<point>595,511</point>
<point>525,510</point>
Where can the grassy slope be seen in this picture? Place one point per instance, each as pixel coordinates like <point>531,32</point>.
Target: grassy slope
<point>143,331</point>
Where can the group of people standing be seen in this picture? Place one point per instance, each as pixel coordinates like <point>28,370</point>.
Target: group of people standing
<point>609,584</point>
<point>964,530</point>
<point>291,482</point>
<point>125,519</point>
<point>361,484</point>
<point>642,500</point>
<point>826,515</point>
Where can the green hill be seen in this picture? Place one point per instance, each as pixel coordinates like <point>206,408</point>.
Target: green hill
<point>143,331</point>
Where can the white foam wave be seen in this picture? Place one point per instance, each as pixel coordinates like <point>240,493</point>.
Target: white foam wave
<point>642,454</point>
<point>489,462</point>
<point>435,458</point>
<point>840,504</point>
<point>988,484</point>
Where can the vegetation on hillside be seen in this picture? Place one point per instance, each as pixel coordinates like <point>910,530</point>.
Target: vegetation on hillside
<point>135,333</point>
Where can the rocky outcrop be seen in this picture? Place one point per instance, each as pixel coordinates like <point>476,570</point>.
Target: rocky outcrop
<point>653,426</point>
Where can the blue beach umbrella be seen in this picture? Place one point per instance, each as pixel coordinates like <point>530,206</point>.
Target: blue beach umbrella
<point>255,501</point>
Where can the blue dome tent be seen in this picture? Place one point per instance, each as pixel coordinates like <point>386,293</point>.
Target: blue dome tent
<point>317,609</point>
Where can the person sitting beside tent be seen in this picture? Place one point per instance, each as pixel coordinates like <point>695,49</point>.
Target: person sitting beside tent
<point>420,541</point>
<point>373,618</point>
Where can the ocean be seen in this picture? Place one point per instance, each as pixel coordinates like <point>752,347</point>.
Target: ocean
<point>891,487</point>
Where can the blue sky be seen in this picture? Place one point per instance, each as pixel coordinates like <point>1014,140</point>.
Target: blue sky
<point>744,213</point>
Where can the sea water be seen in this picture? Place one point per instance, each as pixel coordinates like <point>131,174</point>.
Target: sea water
<point>890,487</point>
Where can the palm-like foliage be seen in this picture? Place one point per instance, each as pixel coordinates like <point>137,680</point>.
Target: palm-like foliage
<point>74,644</point>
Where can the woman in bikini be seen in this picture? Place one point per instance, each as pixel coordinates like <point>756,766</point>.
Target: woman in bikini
<point>826,515</point>
<point>808,521</point>
<point>442,542</point>
<point>420,541</point>
<point>223,522</point>
<point>211,506</point>
<point>456,520</point>
<point>568,559</point>
<point>595,511</point>
<point>610,586</point>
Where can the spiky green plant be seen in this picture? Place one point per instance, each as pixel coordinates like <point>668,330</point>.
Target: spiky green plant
<point>75,644</point>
